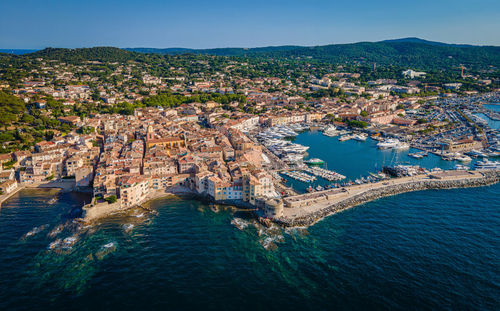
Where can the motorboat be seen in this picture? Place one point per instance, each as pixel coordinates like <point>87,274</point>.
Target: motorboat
<point>402,146</point>
<point>315,161</point>
<point>476,154</point>
<point>461,167</point>
<point>463,158</point>
<point>345,137</point>
<point>416,155</point>
<point>388,143</point>
<point>331,131</point>
<point>360,137</point>
<point>487,165</point>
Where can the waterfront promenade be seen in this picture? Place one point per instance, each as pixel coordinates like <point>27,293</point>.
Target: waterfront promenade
<point>306,209</point>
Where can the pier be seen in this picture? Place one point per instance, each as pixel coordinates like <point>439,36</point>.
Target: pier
<point>300,176</point>
<point>324,173</point>
<point>307,209</point>
<point>6,196</point>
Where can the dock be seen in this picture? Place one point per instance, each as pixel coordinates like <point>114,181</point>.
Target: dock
<point>324,173</point>
<point>5,197</point>
<point>300,176</point>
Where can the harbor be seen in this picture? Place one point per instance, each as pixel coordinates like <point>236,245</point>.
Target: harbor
<point>368,158</point>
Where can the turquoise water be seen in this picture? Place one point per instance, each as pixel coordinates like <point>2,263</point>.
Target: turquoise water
<point>355,159</point>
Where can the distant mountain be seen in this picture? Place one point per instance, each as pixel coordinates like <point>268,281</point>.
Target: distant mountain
<point>418,40</point>
<point>161,51</point>
<point>216,51</point>
<point>408,52</point>
<point>412,52</point>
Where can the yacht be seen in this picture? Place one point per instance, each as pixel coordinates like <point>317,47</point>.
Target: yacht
<point>463,158</point>
<point>402,146</point>
<point>416,155</point>
<point>487,165</point>
<point>315,161</point>
<point>388,143</point>
<point>476,154</point>
<point>319,188</point>
<point>360,137</point>
<point>460,167</point>
<point>331,131</point>
<point>345,137</point>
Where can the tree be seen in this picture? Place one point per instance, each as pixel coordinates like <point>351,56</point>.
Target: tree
<point>421,121</point>
<point>111,199</point>
<point>26,118</point>
<point>10,108</point>
<point>363,113</point>
<point>356,123</point>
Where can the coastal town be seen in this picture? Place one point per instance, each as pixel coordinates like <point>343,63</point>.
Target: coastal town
<point>125,135</point>
<point>249,155</point>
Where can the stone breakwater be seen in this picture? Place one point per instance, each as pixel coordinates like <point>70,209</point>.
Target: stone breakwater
<point>487,178</point>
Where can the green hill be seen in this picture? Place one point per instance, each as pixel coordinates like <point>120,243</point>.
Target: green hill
<point>411,52</point>
<point>408,52</point>
<point>104,54</point>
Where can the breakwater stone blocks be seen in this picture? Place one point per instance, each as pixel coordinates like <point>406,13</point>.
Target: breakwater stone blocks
<point>487,178</point>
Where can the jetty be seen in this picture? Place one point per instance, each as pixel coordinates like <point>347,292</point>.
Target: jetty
<point>300,176</point>
<point>307,209</point>
<point>324,173</point>
<point>6,196</point>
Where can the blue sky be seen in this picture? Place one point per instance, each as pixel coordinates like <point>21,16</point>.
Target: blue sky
<point>223,23</point>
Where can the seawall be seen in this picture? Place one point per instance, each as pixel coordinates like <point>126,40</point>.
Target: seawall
<point>487,178</point>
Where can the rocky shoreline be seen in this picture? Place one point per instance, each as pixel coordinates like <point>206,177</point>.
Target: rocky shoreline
<point>488,178</point>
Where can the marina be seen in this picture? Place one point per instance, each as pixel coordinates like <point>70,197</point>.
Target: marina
<point>369,159</point>
<point>274,139</point>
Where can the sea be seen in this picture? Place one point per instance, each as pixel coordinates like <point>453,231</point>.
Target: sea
<point>17,51</point>
<point>426,250</point>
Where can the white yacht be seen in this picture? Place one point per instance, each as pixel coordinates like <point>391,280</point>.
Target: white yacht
<point>402,146</point>
<point>487,165</point>
<point>463,158</point>
<point>476,154</point>
<point>388,143</point>
<point>461,167</point>
<point>360,137</point>
<point>331,131</point>
<point>345,137</point>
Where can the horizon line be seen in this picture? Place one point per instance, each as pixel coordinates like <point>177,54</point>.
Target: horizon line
<point>254,47</point>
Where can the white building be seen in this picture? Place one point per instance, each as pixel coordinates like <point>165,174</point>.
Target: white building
<point>410,74</point>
